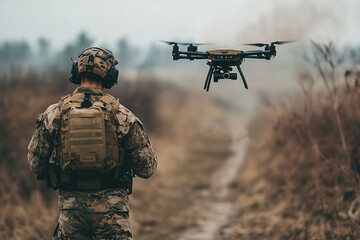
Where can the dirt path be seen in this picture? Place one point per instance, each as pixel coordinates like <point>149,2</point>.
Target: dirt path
<point>214,205</point>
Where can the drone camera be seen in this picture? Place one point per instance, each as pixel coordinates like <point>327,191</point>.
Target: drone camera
<point>226,75</point>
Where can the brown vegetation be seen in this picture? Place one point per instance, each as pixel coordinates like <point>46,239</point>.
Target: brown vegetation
<point>301,177</point>
<point>159,206</point>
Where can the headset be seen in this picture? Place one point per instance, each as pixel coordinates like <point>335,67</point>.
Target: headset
<point>111,77</point>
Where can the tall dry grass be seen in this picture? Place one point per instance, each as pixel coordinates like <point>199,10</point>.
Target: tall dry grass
<point>301,179</point>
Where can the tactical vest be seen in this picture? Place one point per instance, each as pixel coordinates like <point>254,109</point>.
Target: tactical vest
<point>88,143</point>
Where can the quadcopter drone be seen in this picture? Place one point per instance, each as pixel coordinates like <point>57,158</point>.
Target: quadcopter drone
<point>221,61</point>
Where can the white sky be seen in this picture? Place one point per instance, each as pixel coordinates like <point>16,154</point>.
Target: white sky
<point>145,21</point>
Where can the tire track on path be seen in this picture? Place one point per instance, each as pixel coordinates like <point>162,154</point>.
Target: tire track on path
<point>215,207</point>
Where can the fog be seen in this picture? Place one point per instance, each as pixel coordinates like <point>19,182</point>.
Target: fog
<point>146,21</point>
<point>45,34</point>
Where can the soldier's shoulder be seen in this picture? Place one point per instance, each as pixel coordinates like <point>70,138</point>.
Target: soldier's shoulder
<point>125,115</point>
<point>51,112</point>
<point>125,119</point>
<point>51,116</point>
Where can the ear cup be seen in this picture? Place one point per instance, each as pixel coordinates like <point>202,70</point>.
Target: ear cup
<point>74,78</point>
<point>111,77</point>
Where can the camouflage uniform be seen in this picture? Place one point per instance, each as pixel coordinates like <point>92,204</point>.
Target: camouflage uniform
<point>100,214</point>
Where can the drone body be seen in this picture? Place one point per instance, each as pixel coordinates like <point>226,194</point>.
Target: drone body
<point>221,61</point>
<point>224,55</point>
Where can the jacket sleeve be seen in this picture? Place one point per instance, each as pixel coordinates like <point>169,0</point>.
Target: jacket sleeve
<point>142,156</point>
<point>41,145</point>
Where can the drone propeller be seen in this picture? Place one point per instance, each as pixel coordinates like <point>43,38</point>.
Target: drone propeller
<point>184,43</point>
<point>264,44</point>
<point>255,44</point>
<point>281,42</point>
<point>167,42</point>
<point>194,44</point>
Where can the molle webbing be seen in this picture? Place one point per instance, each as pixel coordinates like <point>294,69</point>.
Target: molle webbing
<point>88,139</point>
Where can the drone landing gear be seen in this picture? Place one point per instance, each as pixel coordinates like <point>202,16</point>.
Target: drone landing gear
<point>223,73</point>
<point>208,78</point>
<point>242,76</point>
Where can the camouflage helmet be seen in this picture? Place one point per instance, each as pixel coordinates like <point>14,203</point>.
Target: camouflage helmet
<point>98,61</point>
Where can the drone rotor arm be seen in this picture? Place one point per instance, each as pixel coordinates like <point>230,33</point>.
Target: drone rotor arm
<point>253,53</point>
<point>267,54</point>
<point>192,55</point>
<point>256,56</point>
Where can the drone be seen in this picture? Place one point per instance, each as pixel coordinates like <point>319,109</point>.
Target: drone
<point>222,61</point>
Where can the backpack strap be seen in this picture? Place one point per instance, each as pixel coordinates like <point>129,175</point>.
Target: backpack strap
<point>69,101</point>
<point>111,103</point>
<point>65,97</point>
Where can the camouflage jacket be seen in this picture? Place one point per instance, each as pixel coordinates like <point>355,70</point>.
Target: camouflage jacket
<point>130,131</point>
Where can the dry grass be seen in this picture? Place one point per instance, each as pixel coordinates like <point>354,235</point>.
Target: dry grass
<point>301,179</point>
<point>159,206</point>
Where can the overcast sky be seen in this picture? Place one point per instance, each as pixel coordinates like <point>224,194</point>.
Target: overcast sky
<point>198,20</point>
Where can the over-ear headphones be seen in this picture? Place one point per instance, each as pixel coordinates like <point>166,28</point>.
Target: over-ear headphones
<point>111,77</point>
<point>74,78</point>
<point>95,60</point>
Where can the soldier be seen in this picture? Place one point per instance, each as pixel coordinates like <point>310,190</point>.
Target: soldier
<point>89,146</point>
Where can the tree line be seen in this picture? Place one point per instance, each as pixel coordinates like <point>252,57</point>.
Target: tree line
<point>21,53</point>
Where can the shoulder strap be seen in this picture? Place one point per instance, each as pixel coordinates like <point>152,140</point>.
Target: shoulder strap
<point>64,97</point>
<point>67,102</point>
<point>64,100</point>
<point>111,103</point>
<point>107,98</point>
